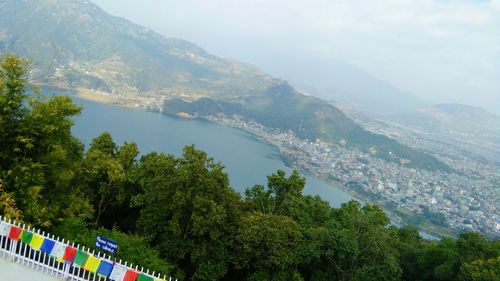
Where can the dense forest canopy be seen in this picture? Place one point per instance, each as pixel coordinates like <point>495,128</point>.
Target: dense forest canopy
<point>179,215</point>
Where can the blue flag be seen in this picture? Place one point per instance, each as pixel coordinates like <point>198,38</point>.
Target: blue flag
<point>105,268</point>
<point>47,246</point>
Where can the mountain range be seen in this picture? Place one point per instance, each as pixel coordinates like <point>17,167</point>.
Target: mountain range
<point>355,90</point>
<point>363,96</point>
<point>75,45</point>
<point>343,83</point>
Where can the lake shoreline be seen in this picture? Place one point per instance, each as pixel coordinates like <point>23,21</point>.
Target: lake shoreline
<point>334,187</point>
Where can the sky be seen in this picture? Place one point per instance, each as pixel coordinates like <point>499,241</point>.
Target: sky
<point>444,51</point>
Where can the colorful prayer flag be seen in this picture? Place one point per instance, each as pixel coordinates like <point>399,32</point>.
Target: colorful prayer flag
<point>118,273</point>
<point>15,233</point>
<point>92,264</point>
<point>69,254</point>
<point>26,237</point>
<point>144,277</point>
<point>105,268</point>
<point>80,258</point>
<point>4,229</point>
<point>58,251</point>
<point>131,275</point>
<point>47,246</point>
<point>36,242</point>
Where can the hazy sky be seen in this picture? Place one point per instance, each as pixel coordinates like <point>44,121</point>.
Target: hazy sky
<point>441,50</point>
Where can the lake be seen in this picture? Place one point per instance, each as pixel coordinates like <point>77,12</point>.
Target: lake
<point>247,160</point>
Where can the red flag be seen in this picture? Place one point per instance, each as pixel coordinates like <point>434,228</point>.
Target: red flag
<point>131,275</point>
<point>15,233</point>
<point>69,254</point>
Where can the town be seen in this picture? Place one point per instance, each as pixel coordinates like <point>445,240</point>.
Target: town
<point>464,200</point>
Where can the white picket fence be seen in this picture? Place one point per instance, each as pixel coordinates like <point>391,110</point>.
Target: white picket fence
<point>37,260</point>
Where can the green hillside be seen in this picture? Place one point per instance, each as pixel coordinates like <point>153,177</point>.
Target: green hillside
<point>284,108</point>
<point>75,43</point>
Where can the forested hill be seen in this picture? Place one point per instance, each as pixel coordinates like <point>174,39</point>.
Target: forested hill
<point>308,117</point>
<point>181,217</point>
<point>76,45</point>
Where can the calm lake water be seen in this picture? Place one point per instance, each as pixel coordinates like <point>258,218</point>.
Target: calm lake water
<point>247,160</point>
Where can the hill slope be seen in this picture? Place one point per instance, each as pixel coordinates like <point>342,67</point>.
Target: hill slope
<point>308,117</point>
<point>76,45</point>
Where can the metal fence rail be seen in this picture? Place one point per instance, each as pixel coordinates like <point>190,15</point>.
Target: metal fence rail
<point>38,260</point>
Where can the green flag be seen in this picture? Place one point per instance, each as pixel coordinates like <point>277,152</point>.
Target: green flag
<point>26,237</point>
<point>80,258</point>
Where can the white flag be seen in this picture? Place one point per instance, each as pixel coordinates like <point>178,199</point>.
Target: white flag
<point>58,250</point>
<point>4,229</point>
<point>118,273</point>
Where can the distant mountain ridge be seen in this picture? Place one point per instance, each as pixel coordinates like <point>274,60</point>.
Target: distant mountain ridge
<point>344,83</point>
<point>74,44</point>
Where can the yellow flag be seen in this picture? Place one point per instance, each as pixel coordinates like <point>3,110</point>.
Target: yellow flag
<point>158,279</point>
<point>36,242</point>
<point>92,264</point>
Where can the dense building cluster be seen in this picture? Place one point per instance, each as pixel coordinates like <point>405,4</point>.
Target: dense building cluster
<point>466,198</point>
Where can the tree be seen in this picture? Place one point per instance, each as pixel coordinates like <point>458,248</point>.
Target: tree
<point>481,270</point>
<point>282,195</point>
<point>443,260</point>
<point>473,246</point>
<point>410,246</point>
<point>8,205</point>
<point>356,245</point>
<point>105,170</point>
<point>439,261</point>
<point>189,210</point>
<point>39,158</point>
<point>12,110</point>
<point>267,247</point>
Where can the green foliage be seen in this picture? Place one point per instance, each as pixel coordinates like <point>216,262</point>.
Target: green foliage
<point>38,155</point>
<point>267,247</point>
<point>410,246</point>
<point>473,246</point>
<point>481,270</point>
<point>189,210</point>
<point>282,195</point>
<point>356,245</point>
<point>426,260</point>
<point>105,170</point>
<point>8,205</point>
